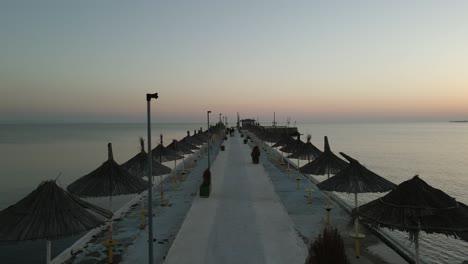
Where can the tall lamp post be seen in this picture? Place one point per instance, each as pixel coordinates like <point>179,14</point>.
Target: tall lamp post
<point>209,135</point>
<point>150,181</point>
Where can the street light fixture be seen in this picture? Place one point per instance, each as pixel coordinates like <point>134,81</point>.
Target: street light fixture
<point>209,137</point>
<point>150,181</point>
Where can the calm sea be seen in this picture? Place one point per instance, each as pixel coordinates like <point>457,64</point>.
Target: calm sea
<point>30,154</point>
<point>438,152</point>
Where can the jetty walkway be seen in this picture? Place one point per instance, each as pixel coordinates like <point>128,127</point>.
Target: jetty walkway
<point>243,220</point>
<point>255,214</point>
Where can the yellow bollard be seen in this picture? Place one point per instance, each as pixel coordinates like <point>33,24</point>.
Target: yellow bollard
<point>175,182</point>
<point>162,202</point>
<point>298,180</point>
<point>328,208</point>
<point>309,197</point>
<point>143,215</point>
<point>109,244</point>
<point>357,237</point>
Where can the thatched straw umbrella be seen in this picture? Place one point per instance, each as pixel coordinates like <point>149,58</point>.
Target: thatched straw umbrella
<point>356,178</point>
<point>138,165</point>
<point>179,148</point>
<point>305,151</point>
<point>109,179</point>
<point>296,145</point>
<point>163,155</point>
<point>283,141</point>
<point>325,164</point>
<point>416,206</point>
<point>49,213</point>
<point>194,140</point>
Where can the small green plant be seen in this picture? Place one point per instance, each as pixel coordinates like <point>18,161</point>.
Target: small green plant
<point>327,248</point>
<point>206,178</point>
<point>205,187</point>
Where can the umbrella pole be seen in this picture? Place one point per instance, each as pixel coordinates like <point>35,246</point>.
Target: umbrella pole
<point>298,178</point>
<point>356,221</point>
<point>416,247</point>
<point>183,163</point>
<point>161,191</point>
<point>48,251</point>
<point>175,175</point>
<point>110,243</point>
<point>328,207</point>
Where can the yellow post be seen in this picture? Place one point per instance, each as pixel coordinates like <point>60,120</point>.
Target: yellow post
<point>162,202</point>
<point>328,208</point>
<point>309,197</point>
<point>357,237</point>
<point>110,254</point>
<point>143,215</point>
<point>357,249</point>
<point>110,244</point>
<point>175,182</point>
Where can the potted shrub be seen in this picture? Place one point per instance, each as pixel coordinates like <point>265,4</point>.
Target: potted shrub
<point>327,248</point>
<point>205,187</point>
<point>255,155</point>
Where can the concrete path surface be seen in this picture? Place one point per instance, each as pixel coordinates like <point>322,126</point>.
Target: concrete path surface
<point>243,220</point>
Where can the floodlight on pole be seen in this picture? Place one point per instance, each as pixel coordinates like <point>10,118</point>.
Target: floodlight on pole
<point>150,182</point>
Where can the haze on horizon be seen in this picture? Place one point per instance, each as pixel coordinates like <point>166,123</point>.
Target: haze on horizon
<point>94,61</point>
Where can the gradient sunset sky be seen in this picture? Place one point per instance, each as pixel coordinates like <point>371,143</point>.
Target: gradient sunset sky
<point>94,61</point>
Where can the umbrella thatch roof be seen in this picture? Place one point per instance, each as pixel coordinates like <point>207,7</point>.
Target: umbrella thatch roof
<point>138,165</point>
<point>356,178</point>
<point>186,141</point>
<point>162,154</point>
<point>203,135</point>
<point>194,140</point>
<point>284,141</point>
<point>179,148</point>
<point>326,163</point>
<point>49,212</point>
<point>107,180</point>
<point>415,205</point>
<point>296,145</point>
<point>306,152</point>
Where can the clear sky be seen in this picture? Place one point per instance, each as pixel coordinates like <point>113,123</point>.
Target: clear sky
<point>310,60</point>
